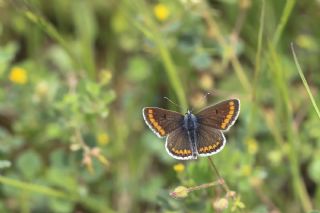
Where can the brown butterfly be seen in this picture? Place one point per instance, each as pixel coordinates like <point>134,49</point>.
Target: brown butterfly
<point>192,135</point>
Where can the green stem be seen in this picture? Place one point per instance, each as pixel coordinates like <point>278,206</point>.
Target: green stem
<point>283,21</point>
<point>172,72</point>
<point>150,30</point>
<point>225,186</point>
<point>35,188</point>
<point>257,69</point>
<point>293,139</point>
<point>305,83</point>
<point>52,32</point>
<point>258,54</point>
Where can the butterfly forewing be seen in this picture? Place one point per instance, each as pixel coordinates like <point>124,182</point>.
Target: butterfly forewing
<point>220,116</point>
<point>178,146</point>
<point>209,140</point>
<point>162,121</point>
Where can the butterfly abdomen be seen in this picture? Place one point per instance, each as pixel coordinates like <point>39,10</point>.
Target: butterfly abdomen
<point>191,125</point>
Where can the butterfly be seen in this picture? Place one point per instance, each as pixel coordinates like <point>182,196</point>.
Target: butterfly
<point>191,135</point>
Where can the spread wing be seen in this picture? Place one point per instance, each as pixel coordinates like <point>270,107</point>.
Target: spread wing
<point>178,145</point>
<point>162,121</point>
<point>209,140</point>
<point>220,116</point>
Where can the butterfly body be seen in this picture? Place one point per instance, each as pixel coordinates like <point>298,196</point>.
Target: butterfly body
<point>192,135</point>
<point>191,125</point>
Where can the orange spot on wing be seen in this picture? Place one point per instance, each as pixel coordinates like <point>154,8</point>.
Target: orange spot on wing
<point>231,112</point>
<point>150,111</point>
<point>231,103</point>
<point>229,116</point>
<point>150,115</point>
<point>231,107</point>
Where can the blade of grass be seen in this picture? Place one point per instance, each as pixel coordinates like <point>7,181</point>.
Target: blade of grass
<point>258,54</point>
<point>284,105</point>
<point>252,115</point>
<point>150,30</point>
<point>52,32</point>
<point>35,188</point>
<point>304,81</point>
<point>283,21</point>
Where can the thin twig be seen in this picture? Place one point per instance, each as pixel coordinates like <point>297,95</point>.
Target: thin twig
<point>225,186</point>
<point>203,186</point>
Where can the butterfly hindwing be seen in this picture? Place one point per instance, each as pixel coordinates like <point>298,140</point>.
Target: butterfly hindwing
<point>209,140</point>
<point>162,121</point>
<point>178,145</point>
<point>220,116</point>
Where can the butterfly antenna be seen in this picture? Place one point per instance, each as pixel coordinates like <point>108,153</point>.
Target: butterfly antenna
<point>168,99</point>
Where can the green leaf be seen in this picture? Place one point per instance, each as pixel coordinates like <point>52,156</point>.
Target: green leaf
<point>138,69</point>
<point>62,206</point>
<point>201,61</point>
<point>29,163</point>
<point>62,178</point>
<point>7,53</point>
<point>314,170</point>
<point>109,96</point>
<point>92,88</point>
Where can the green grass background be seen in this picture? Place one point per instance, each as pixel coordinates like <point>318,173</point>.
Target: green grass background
<point>92,66</point>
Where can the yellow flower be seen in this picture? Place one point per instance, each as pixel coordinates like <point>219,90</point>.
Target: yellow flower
<point>252,146</point>
<point>246,170</point>
<point>102,138</point>
<point>161,12</point>
<point>18,75</point>
<point>179,167</point>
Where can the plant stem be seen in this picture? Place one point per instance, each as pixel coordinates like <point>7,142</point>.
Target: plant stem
<point>304,81</point>
<point>203,186</point>
<point>171,72</point>
<point>283,21</point>
<point>35,188</point>
<point>225,186</point>
<point>257,69</point>
<point>293,139</point>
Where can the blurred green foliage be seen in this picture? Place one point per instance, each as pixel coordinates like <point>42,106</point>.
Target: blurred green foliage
<point>75,76</point>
